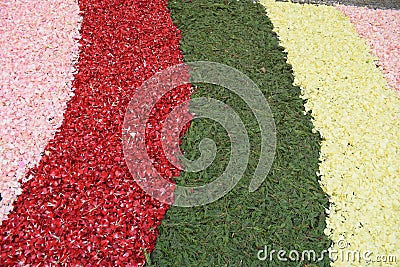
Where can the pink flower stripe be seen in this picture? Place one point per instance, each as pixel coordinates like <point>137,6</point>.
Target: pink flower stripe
<point>38,48</point>
<point>382,31</point>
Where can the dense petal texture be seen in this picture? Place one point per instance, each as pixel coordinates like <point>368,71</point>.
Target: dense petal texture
<point>357,115</point>
<point>381,30</point>
<point>62,163</point>
<point>38,48</point>
<point>82,205</point>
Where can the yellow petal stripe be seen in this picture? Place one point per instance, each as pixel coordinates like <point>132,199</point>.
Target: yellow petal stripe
<point>358,117</point>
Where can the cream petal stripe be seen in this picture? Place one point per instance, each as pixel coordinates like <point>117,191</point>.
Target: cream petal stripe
<point>357,115</point>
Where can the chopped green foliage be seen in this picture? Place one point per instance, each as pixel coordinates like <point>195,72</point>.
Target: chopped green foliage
<point>288,210</point>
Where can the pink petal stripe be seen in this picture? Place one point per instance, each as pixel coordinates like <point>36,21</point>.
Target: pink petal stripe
<point>37,52</point>
<point>381,29</point>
